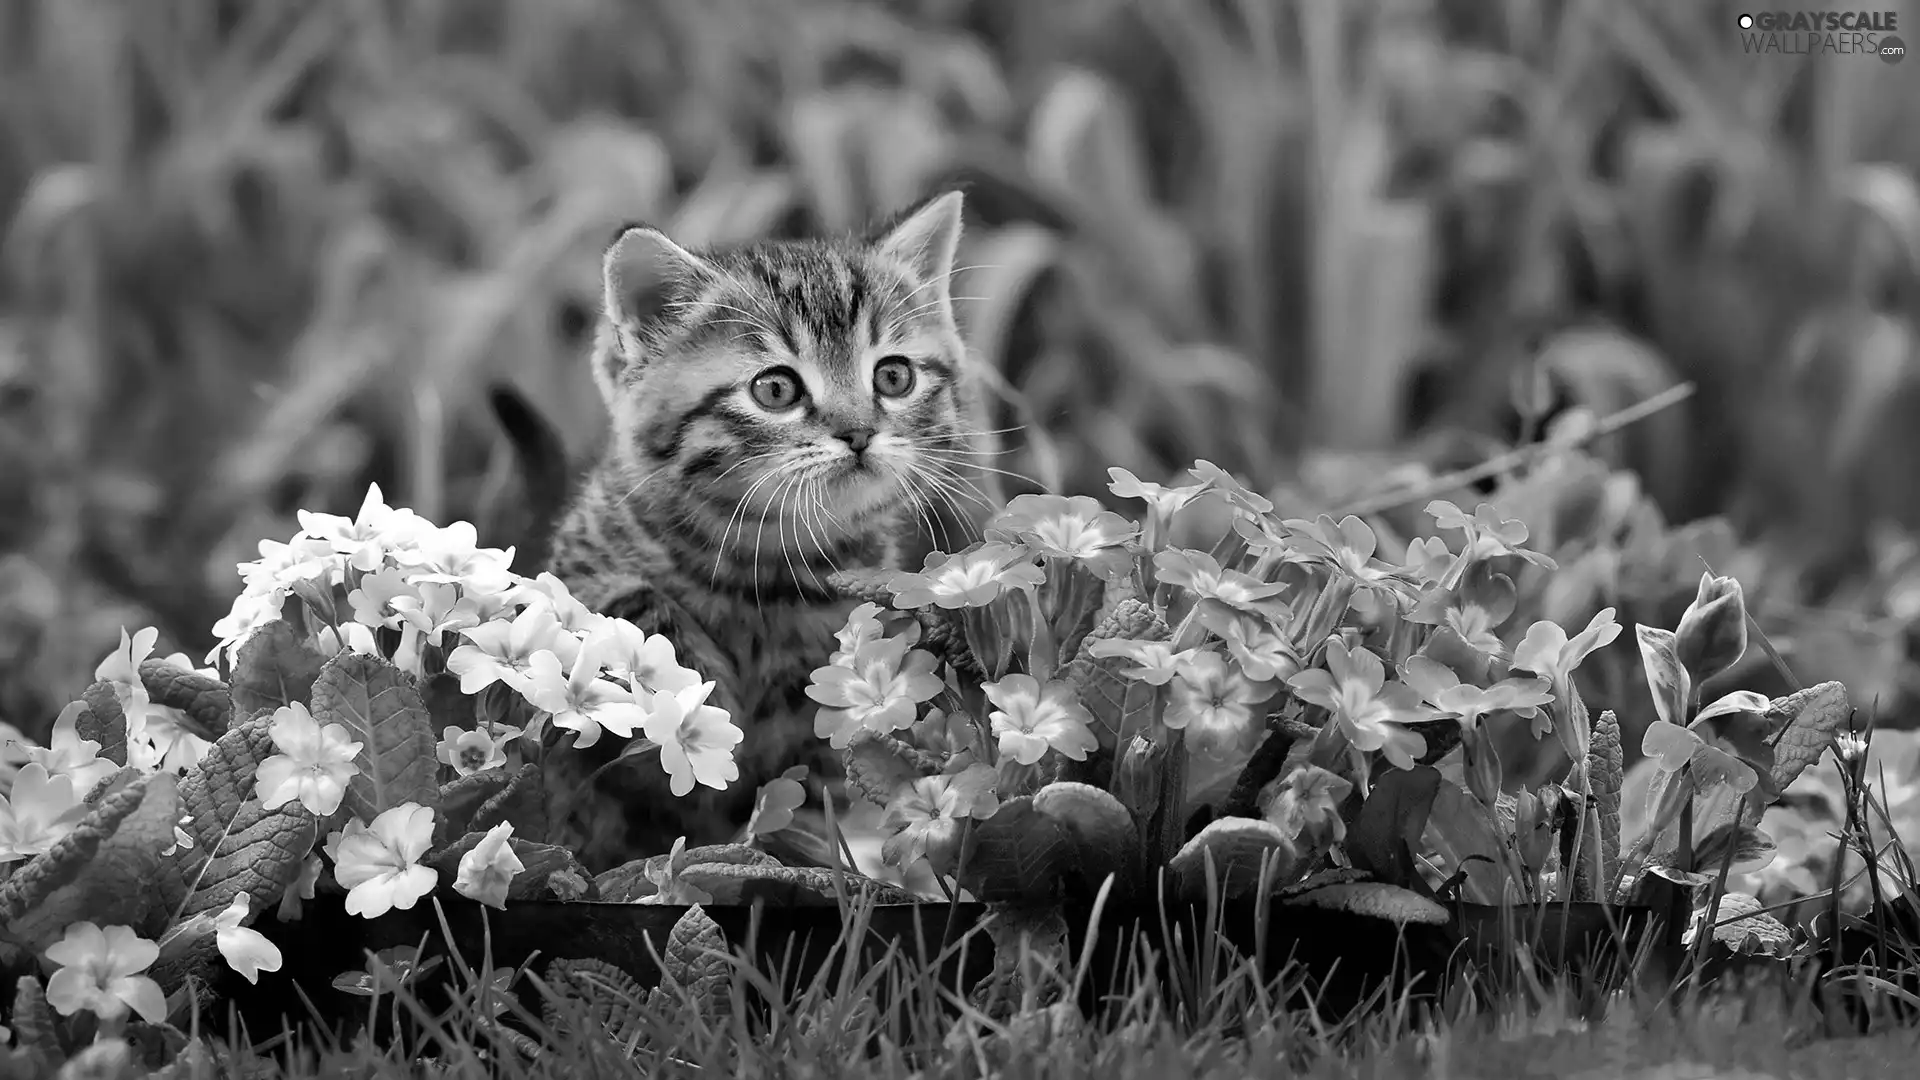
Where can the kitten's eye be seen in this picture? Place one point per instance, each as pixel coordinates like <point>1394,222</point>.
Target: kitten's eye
<point>775,390</point>
<point>893,377</point>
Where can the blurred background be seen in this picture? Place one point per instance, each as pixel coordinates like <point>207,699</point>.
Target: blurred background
<point>259,253</point>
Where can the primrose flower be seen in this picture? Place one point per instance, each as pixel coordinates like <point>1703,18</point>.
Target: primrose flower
<point>1200,574</point>
<point>313,763</point>
<point>1262,652</point>
<point>249,613</point>
<point>1214,477</point>
<point>580,700</point>
<point>362,538</point>
<point>245,950</point>
<point>376,602</point>
<point>548,589</point>
<point>1155,662</point>
<point>1032,719</point>
<point>1353,688</point>
<point>1488,535</point>
<point>1347,547</point>
<point>428,611</point>
<point>122,666</point>
<point>1547,651</point>
<point>100,972</point>
<point>924,820</point>
<point>1162,501</point>
<point>1076,528</point>
<point>158,738</point>
<point>1213,702</point>
<point>487,870</point>
<point>1473,612</point>
<point>379,863</point>
<point>281,566</point>
<point>648,661</point>
<point>1307,806</point>
<point>503,651</point>
<point>971,578</point>
<point>863,628</point>
<point>1438,685</point>
<point>453,556</point>
<point>40,811</point>
<point>880,690</point>
<point>70,755</point>
<point>696,739</point>
<point>470,752</point>
<point>1429,560</point>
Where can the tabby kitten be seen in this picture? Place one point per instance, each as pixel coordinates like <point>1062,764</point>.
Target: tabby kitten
<point>780,411</point>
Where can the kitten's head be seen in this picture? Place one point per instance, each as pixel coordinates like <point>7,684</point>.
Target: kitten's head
<point>820,379</point>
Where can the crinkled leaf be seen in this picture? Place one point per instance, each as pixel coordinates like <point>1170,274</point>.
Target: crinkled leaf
<point>1606,775</point>
<point>1018,854</point>
<point>1666,677</point>
<point>259,851</point>
<point>104,721</point>
<point>1752,851</point>
<point>204,701</point>
<point>382,711</point>
<point>1807,721</point>
<point>696,961</point>
<point>35,1025</point>
<point>1753,932</point>
<point>879,765</point>
<point>461,799</point>
<point>785,886</point>
<point>634,881</point>
<point>104,871</point>
<point>1120,706</point>
<point>870,586</point>
<point>522,801</point>
<point>1387,831</point>
<point>540,863</point>
<point>274,667</point>
<point>1234,850</point>
<point>1377,899</point>
<point>1030,955</point>
<point>1463,832</point>
<point>594,992</point>
<point>1092,814</point>
<point>155,1045</point>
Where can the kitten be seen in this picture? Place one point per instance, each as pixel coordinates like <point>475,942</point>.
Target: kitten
<point>779,411</point>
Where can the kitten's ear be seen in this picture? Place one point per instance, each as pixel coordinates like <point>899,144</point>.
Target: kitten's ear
<point>926,241</point>
<point>645,274</point>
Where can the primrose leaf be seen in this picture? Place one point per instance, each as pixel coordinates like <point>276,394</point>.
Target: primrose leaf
<point>1119,705</point>
<point>462,797</point>
<point>785,886</point>
<point>274,667</point>
<point>879,765</point>
<point>108,870</point>
<point>540,863</point>
<point>35,1027</point>
<point>1235,849</point>
<point>1379,900</point>
<point>1018,854</point>
<point>1388,828</point>
<point>523,801</point>
<point>1751,933</point>
<point>204,701</point>
<point>383,712</point>
<point>609,1001</point>
<point>1807,721</point>
<point>254,850</point>
<point>695,962</point>
<point>103,720</point>
<point>1606,775</point>
<point>1459,828</point>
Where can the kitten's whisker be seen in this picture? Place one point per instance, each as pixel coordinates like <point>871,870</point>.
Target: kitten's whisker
<point>941,455</point>
<point>754,319</point>
<point>954,436</point>
<point>946,277</point>
<point>739,511</point>
<point>944,489</point>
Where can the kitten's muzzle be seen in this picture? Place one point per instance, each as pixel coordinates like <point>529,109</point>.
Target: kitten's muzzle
<point>857,438</point>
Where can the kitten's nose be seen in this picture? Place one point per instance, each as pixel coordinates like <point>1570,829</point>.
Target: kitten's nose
<point>856,438</point>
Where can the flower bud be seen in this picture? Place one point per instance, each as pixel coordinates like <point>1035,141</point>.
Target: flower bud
<point>1713,633</point>
<point>1532,828</point>
<point>1483,764</point>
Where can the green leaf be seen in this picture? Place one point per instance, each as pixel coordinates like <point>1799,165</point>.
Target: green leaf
<point>696,962</point>
<point>105,871</point>
<point>1017,855</point>
<point>785,886</point>
<point>35,1026</point>
<point>1101,827</point>
<point>251,849</point>
<point>1120,706</point>
<point>104,721</point>
<point>1807,722</point>
<point>1755,933</point>
<point>1387,831</point>
<point>272,668</point>
<point>1606,775</point>
<point>633,881</point>
<point>593,992</point>
<point>879,765</point>
<point>522,801</point>
<point>1235,850</point>
<point>462,797</point>
<point>204,701</point>
<point>380,709</point>
<point>1377,899</point>
<point>1460,827</point>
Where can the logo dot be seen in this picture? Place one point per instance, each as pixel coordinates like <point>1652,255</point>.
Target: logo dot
<point>1746,22</point>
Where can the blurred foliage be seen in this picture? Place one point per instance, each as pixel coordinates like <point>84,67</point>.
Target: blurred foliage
<point>258,253</point>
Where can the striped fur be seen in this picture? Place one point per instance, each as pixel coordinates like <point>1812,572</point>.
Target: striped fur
<point>717,521</point>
